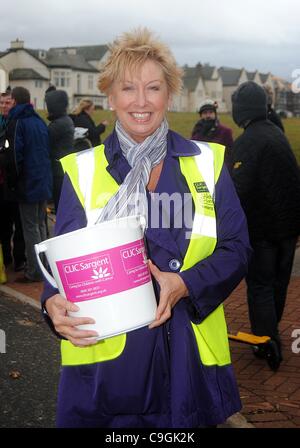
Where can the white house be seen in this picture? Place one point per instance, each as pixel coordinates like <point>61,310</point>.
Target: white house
<point>66,68</point>
<point>199,82</point>
<point>254,76</point>
<point>213,85</point>
<point>231,78</point>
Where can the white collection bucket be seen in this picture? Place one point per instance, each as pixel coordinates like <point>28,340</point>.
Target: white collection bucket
<point>103,270</point>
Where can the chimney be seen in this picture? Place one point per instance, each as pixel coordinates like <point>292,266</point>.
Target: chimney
<point>15,44</point>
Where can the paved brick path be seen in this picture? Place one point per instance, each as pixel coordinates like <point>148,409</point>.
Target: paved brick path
<point>269,399</point>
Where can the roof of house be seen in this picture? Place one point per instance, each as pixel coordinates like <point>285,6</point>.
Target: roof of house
<point>24,74</point>
<point>54,58</point>
<point>191,77</point>
<point>230,76</point>
<point>207,72</point>
<point>89,52</point>
<point>251,76</point>
<point>264,77</point>
<point>73,61</point>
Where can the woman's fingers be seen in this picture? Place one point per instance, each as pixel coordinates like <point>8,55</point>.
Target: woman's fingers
<point>75,333</point>
<point>163,304</point>
<point>63,304</point>
<point>58,307</point>
<point>162,319</point>
<point>154,271</point>
<point>72,321</point>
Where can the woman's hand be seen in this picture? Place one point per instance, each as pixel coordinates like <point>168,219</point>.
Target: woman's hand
<point>57,307</point>
<point>172,289</point>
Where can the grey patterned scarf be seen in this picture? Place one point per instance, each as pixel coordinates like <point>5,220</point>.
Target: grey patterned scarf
<point>131,197</point>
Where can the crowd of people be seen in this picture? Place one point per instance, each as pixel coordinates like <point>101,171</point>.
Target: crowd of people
<point>30,171</point>
<point>245,201</point>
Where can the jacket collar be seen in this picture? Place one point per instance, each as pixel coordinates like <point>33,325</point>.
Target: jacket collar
<point>21,111</point>
<point>178,146</point>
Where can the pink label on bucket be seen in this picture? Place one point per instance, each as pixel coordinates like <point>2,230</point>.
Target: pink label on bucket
<point>104,273</point>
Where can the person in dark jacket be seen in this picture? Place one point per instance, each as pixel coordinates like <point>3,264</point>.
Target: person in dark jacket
<point>61,136</point>
<point>82,118</point>
<point>209,129</point>
<point>11,232</point>
<point>266,177</point>
<point>28,170</point>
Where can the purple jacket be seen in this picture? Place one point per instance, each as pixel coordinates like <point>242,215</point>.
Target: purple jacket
<point>219,134</point>
<point>159,380</point>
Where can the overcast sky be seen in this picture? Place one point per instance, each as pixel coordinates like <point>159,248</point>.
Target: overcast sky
<point>255,34</point>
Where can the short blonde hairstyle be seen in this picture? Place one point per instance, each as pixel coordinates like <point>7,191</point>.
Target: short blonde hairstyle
<point>130,51</point>
<point>84,104</point>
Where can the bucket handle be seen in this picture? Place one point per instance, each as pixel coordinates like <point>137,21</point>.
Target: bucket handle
<point>41,248</point>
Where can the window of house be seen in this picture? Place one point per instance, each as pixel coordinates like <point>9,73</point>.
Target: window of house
<point>90,82</point>
<point>38,83</point>
<point>78,83</point>
<point>61,78</point>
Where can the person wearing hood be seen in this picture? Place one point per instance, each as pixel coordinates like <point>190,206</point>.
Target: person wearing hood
<point>29,170</point>
<point>209,129</point>
<point>61,136</point>
<point>266,177</point>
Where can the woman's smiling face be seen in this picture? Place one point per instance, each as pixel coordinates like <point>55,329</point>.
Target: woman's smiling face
<point>141,100</point>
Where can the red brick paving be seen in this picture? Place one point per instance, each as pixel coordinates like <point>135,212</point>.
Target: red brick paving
<point>270,399</point>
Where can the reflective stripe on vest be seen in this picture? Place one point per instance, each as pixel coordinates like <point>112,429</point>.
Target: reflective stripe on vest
<point>93,191</point>
<point>211,334</point>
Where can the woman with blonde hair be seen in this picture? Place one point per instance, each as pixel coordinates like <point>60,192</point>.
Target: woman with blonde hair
<point>176,372</point>
<point>82,118</point>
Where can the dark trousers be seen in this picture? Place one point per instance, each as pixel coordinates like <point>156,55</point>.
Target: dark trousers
<point>11,232</point>
<point>267,281</point>
<point>33,216</point>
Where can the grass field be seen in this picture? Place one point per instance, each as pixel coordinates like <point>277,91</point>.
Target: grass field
<point>183,123</point>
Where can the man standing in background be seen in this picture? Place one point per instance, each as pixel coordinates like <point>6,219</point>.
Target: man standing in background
<point>11,232</point>
<point>267,180</point>
<point>209,129</point>
<point>29,168</point>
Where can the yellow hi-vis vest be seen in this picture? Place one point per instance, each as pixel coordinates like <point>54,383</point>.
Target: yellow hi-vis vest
<point>94,187</point>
